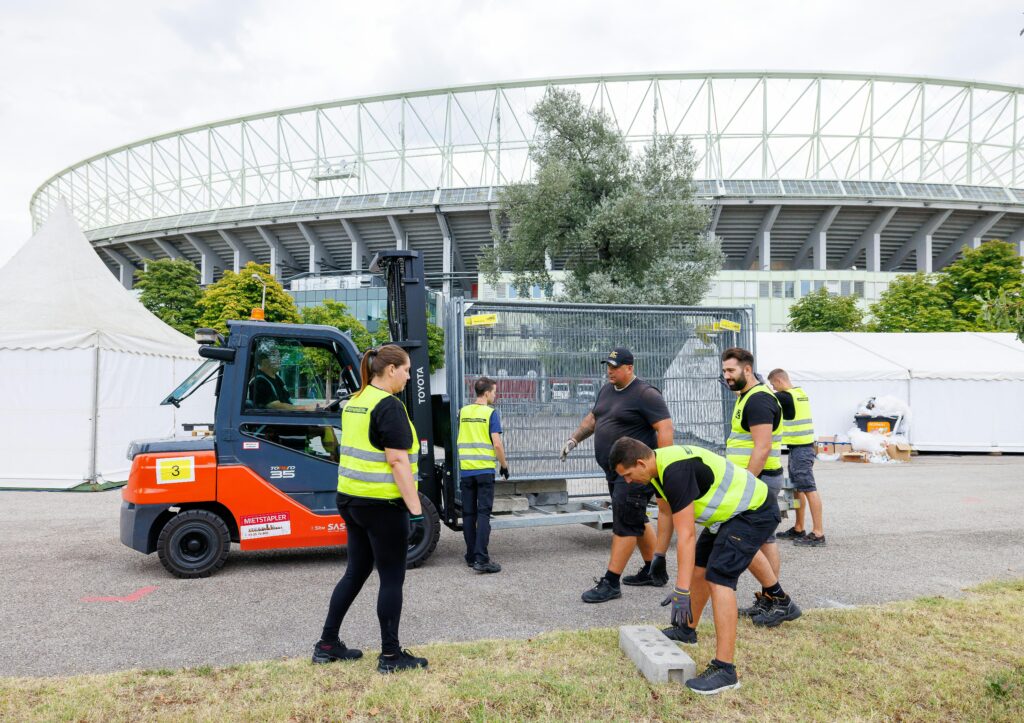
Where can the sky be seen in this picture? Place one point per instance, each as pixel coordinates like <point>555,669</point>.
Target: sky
<point>78,78</point>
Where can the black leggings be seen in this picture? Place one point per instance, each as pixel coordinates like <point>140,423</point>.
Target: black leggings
<point>377,534</point>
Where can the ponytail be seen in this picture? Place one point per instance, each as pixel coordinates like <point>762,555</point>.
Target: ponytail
<point>376,360</point>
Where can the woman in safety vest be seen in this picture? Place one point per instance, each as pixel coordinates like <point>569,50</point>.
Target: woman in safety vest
<point>377,499</point>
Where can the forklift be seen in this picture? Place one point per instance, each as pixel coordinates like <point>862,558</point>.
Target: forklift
<point>265,476</point>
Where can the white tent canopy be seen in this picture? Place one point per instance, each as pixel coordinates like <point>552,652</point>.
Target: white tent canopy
<point>962,388</point>
<point>84,365</point>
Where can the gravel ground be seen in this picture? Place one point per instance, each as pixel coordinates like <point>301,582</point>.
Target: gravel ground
<point>931,527</point>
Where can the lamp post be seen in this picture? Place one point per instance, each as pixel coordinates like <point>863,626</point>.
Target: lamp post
<point>263,304</point>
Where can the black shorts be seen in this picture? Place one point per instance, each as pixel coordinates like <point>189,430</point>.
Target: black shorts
<point>727,553</point>
<point>629,506</point>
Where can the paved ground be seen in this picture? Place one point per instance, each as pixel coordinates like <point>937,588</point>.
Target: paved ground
<point>930,527</point>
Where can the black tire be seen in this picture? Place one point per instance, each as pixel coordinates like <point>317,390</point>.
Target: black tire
<point>423,538</point>
<point>194,543</point>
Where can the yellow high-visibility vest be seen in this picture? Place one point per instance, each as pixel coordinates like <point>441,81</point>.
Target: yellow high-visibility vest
<point>476,449</point>
<point>800,429</point>
<point>363,470</point>
<point>740,445</point>
<point>733,492</point>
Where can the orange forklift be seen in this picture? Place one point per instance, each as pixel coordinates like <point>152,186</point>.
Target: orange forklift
<point>266,475</point>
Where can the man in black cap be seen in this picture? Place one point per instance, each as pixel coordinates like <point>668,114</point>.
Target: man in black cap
<point>627,407</point>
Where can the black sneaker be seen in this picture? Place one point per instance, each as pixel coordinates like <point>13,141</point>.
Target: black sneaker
<point>330,651</point>
<point>659,572</point>
<point>761,603</point>
<point>642,577</point>
<point>686,636</point>
<point>403,661</point>
<point>810,540</point>
<point>487,566</point>
<point>713,680</point>
<point>791,534</point>
<point>601,592</point>
<point>778,613</point>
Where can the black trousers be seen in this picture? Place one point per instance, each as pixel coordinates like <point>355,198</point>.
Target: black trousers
<point>378,535</point>
<point>477,504</point>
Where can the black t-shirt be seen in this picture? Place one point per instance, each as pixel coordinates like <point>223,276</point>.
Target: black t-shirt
<point>629,412</point>
<point>685,481</point>
<point>267,389</point>
<point>389,429</point>
<point>762,409</point>
<point>786,402</point>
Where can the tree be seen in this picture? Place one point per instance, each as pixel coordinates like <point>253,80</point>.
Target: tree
<point>334,313</point>
<point>627,229</point>
<point>822,311</point>
<point>236,295</point>
<point>914,303</point>
<point>981,273</point>
<point>170,289</point>
<point>1003,312</point>
<point>435,343</point>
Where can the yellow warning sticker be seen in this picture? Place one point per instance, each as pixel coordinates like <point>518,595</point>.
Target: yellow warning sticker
<point>482,320</point>
<point>730,325</point>
<point>175,469</point>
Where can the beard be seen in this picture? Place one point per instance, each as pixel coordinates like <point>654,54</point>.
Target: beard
<point>738,383</point>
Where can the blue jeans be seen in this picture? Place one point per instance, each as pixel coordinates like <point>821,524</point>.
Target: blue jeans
<point>477,503</point>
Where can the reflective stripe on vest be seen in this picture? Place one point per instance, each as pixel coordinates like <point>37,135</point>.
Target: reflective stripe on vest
<point>800,429</point>
<point>363,470</point>
<point>733,492</point>
<point>476,450</point>
<point>740,445</point>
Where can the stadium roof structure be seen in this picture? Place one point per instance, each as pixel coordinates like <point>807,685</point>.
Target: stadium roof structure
<point>801,170</point>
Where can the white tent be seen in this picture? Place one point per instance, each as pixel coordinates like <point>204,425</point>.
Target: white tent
<point>963,389</point>
<point>84,365</point>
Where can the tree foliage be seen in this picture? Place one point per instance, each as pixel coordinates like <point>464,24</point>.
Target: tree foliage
<point>626,228</point>
<point>236,295</point>
<point>334,313</point>
<point>914,302</point>
<point>435,343</point>
<point>979,274</point>
<point>822,311</point>
<point>170,289</point>
<point>1003,312</point>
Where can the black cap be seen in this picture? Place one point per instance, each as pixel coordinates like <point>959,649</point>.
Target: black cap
<point>618,356</point>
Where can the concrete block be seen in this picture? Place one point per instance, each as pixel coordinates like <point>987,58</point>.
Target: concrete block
<point>504,488</point>
<point>510,504</point>
<point>541,485</point>
<point>657,657</point>
<point>548,498</point>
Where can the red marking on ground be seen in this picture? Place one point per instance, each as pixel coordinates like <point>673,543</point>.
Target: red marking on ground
<point>137,595</point>
<point>972,500</point>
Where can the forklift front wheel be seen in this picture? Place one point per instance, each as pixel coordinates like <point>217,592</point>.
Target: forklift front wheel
<point>423,536</point>
<point>194,543</point>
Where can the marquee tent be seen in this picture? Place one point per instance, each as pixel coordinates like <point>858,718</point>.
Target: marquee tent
<point>83,365</point>
<point>963,389</point>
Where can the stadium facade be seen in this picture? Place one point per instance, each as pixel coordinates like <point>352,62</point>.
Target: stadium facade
<point>831,180</point>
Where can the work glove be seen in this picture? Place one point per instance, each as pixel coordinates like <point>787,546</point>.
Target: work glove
<point>416,528</point>
<point>570,445</point>
<point>682,615</point>
<point>503,472</point>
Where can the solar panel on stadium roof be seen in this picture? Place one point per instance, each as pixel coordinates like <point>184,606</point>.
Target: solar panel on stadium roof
<point>982,193</point>
<point>1019,193</point>
<point>707,188</point>
<point>453,195</point>
<point>740,187</point>
<point>929,190</point>
<point>872,188</point>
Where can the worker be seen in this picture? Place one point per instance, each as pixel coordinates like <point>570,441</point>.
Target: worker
<point>266,389</point>
<point>755,443</point>
<point>378,501</point>
<point>738,513</point>
<point>480,446</point>
<point>627,407</point>
<point>798,436</point>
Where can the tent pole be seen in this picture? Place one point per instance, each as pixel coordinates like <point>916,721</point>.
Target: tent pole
<point>91,479</point>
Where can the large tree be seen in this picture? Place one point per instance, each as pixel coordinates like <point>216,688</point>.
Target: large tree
<point>334,313</point>
<point>625,228</point>
<point>914,303</point>
<point>435,342</point>
<point>170,289</point>
<point>981,273</point>
<point>822,311</point>
<point>236,295</point>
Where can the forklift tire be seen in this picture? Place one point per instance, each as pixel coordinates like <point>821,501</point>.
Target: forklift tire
<point>424,535</point>
<point>194,543</point>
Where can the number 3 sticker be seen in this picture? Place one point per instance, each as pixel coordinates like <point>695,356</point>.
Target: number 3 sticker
<point>175,469</point>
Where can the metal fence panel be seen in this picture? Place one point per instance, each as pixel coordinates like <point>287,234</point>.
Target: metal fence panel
<point>546,359</point>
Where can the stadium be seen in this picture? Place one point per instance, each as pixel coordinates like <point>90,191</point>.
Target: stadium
<point>814,180</point>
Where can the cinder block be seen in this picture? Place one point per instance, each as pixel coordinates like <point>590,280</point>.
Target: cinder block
<point>657,657</point>
<point>541,485</point>
<point>548,498</point>
<point>504,488</point>
<point>510,504</point>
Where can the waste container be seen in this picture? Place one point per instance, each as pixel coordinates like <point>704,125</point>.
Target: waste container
<point>868,423</point>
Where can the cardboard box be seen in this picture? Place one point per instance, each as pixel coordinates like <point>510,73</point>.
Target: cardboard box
<point>899,452</point>
<point>861,457</point>
<point>825,445</point>
<point>843,447</point>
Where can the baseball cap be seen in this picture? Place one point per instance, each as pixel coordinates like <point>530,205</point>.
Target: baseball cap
<point>618,356</point>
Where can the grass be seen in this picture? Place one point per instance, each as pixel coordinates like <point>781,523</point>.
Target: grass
<point>930,659</point>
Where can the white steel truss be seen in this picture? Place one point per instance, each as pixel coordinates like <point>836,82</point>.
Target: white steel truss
<point>743,125</point>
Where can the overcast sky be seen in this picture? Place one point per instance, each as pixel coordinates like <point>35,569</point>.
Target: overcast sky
<point>77,78</point>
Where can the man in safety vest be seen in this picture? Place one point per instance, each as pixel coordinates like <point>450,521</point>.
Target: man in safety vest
<point>738,512</point>
<point>480,447</point>
<point>798,436</point>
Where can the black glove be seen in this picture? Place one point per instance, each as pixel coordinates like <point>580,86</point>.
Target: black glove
<point>503,472</point>
<point>682,615</point>
<point>416,528</point>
